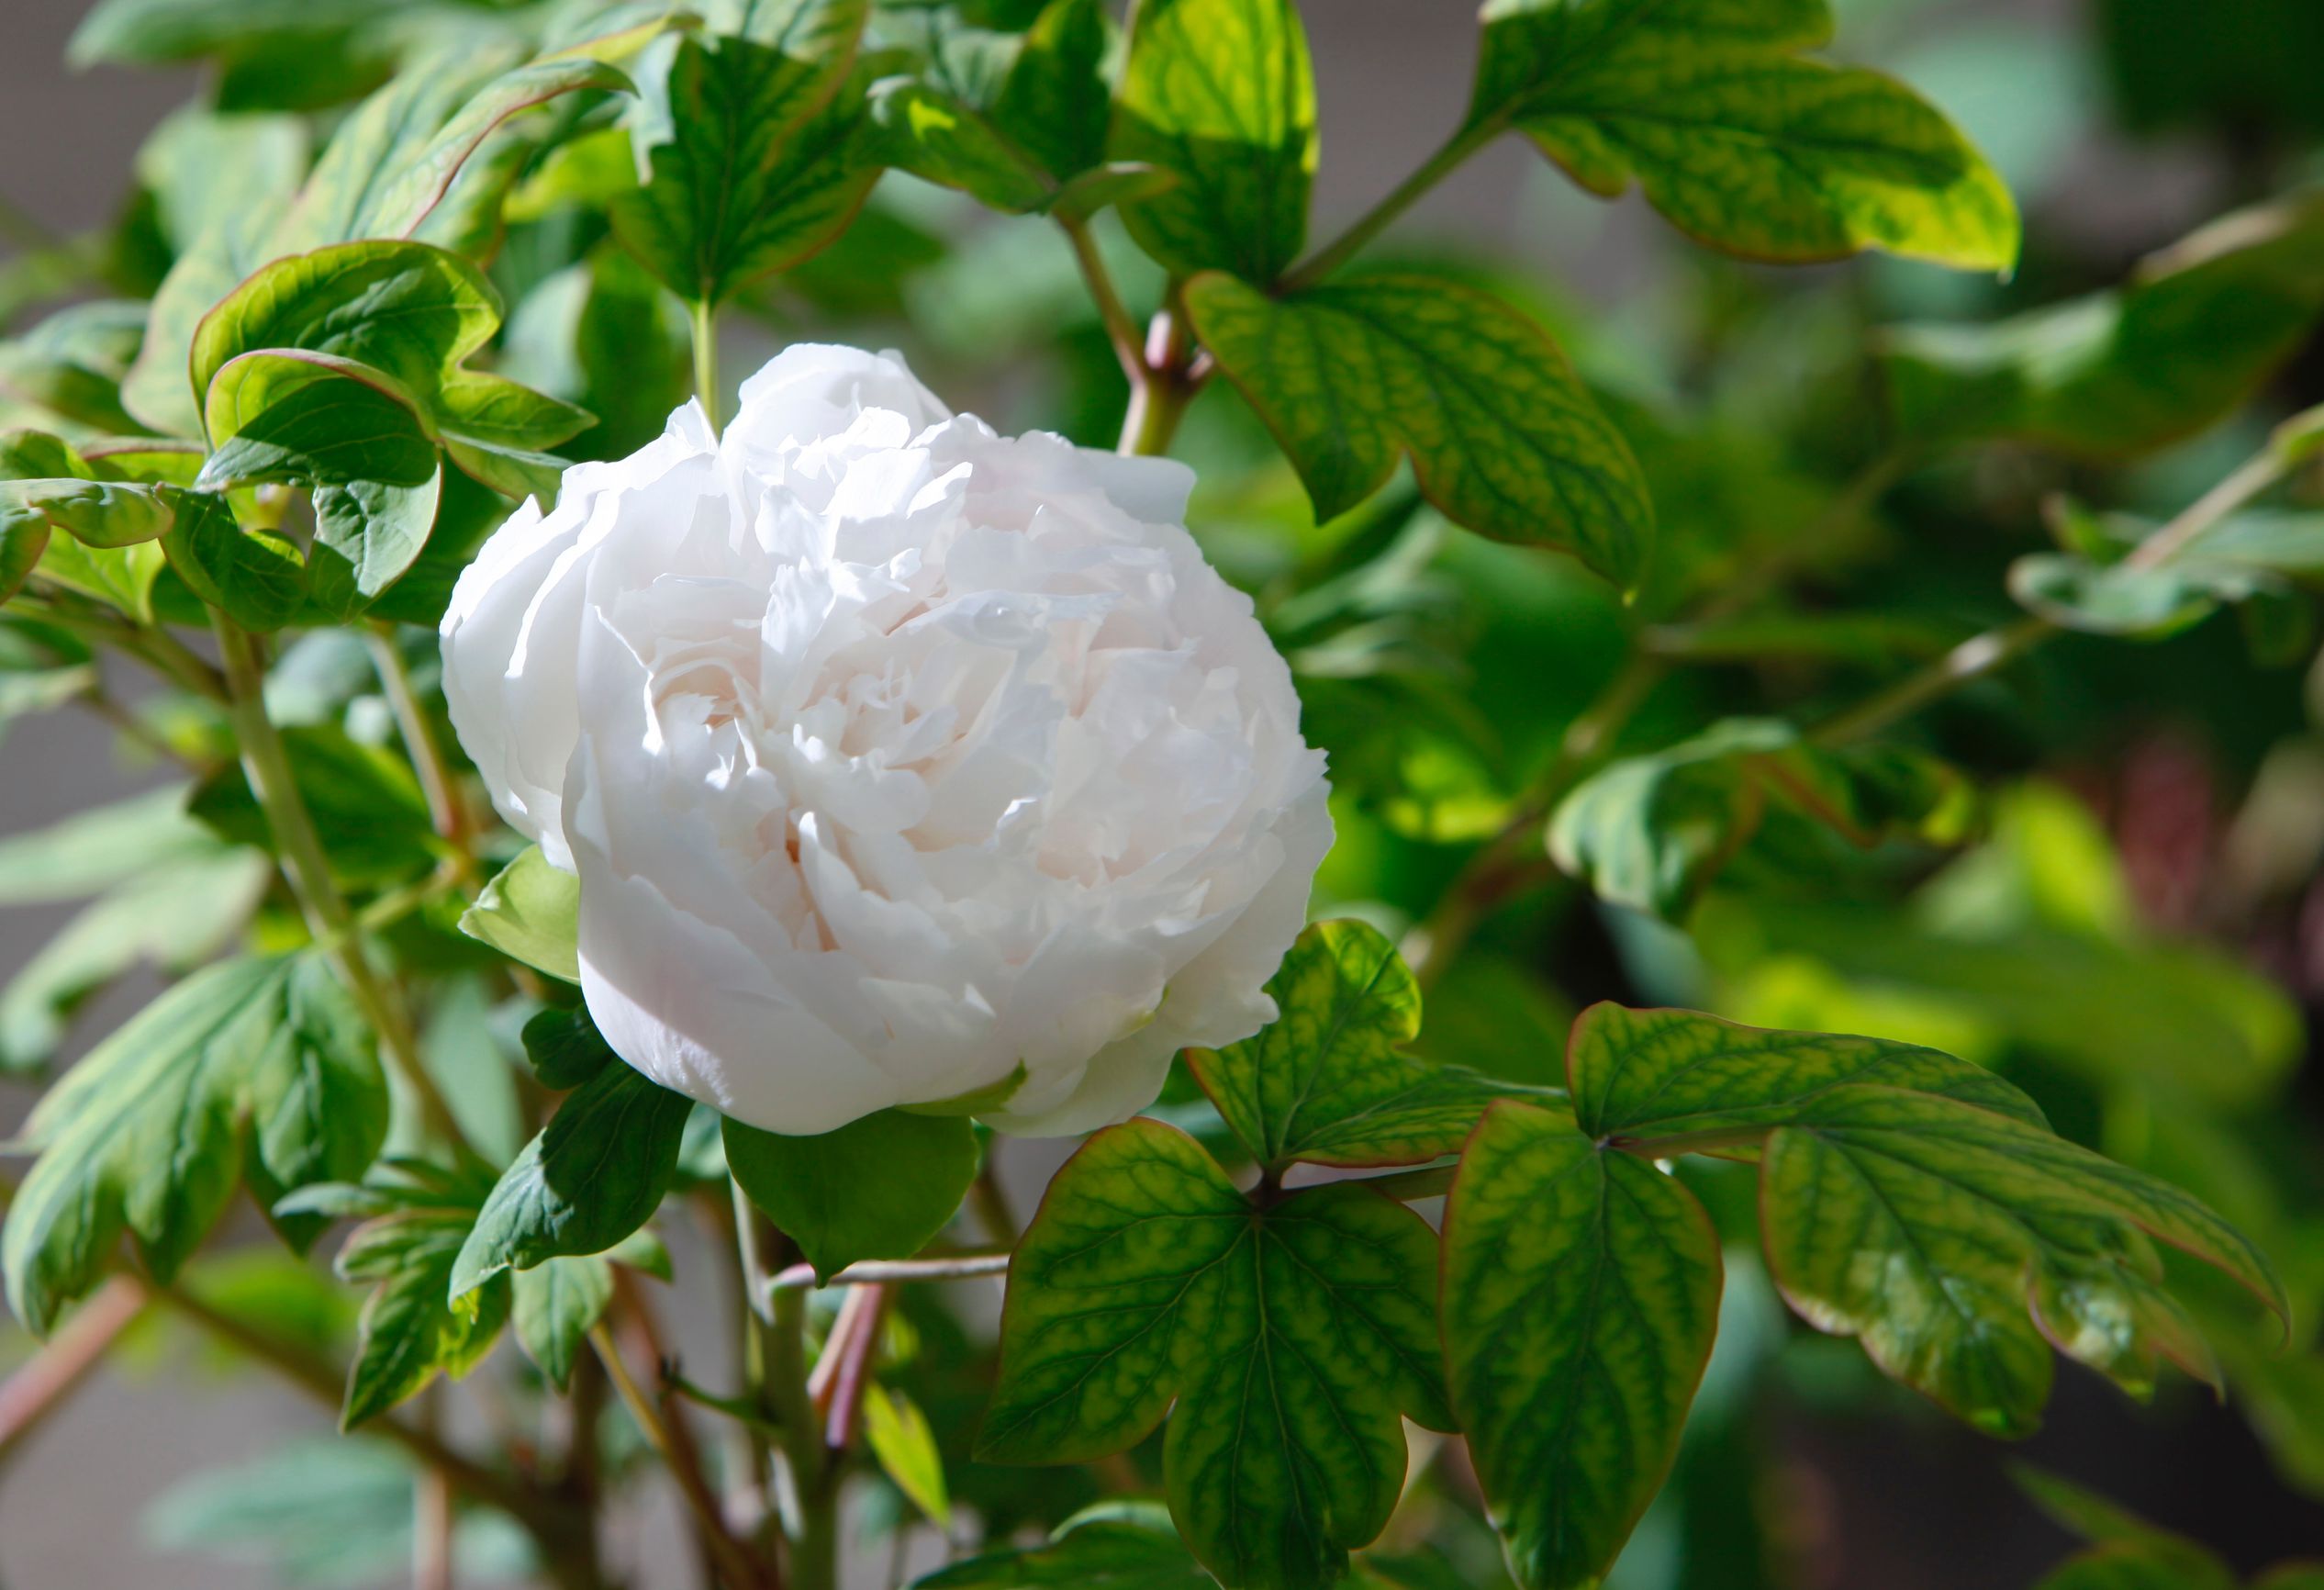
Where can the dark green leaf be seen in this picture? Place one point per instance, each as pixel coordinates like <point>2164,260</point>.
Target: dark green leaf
<point>594,1175</point>
<point>2123,1568</point>
<point>1580,1295</point>
<point>1055,103</point>
<point>1327,1081</point>
<point>1502,437</point>
<point>1291,1338</point>
<point>1636,1075</point>
<point>564,1048</point>
<point>877,1188</point>
<point>251,576</point>
<point>531,912</point>
<point>146,1134</point>
<point>758,159</point>
<point>1740,142</point>
<point>1113,1546</point>
<point>1653,831</point>
<point>2101,1522</point>
<point>554,1307</point>
<point>603,334</point>
<point>2198,329</point>
<point>1221,92</point>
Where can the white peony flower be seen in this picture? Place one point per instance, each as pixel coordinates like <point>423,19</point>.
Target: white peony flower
<point>898,759</point>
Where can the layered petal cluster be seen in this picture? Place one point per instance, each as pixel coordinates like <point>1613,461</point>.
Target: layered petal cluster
<point>901,762</point>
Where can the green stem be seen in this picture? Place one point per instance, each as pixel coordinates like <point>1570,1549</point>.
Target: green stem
<point>814,1523</point>
<point>706,359</point>
<point>420,741</point>
<point>1376,220</point>
<point>307,869</point>
<point>881,1272</point>
<point>733,1562</point>
<point>1121,328</point>
<point>1981,654</point>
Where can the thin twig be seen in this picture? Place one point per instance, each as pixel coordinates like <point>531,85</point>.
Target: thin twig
<point>954,1267</point>
<point>422,743</point>
<point>734,1563</point>
<point>36,1391</point>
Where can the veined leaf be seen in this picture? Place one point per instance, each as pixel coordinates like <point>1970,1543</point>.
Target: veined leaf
<point>147,1133</point>
<point>1502,437</point>
<point>99,847</point>
<point>1652,831</point>
<point>1962,1210</point>
<point>410,1331</point>
<point>1293,1339</point>
<point>1580,1296</point>
<point>1221,92</point>
<point>1637,1075</point>
<point>366,535</point>
<point>594,1174</point>
<point>937,136</point>
<point>877,1188</point>
<point>901,1440</point>
<point>758,159</point>
<point>2200,326</point>
<point>531,912</point>
<point>251,576</point>
<point>314,419</point>
<point>1327,1081</point>
<point>1735,137</point>
<point>564,1048</point>
<point>554,1305</point>
<point>1117,1545</point>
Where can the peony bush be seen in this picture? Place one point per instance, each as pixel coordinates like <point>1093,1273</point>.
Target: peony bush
<point>1539,871</point>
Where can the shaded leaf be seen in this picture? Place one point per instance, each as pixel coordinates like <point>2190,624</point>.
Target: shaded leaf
<point>410,1332</point>
<point>366,535</point>
<point>877,1188</point>
<point>2119,373</point>
<point>1117,1545</point>
<point>313,418</point>
<point>594,1174</point>
<point>1502,437</point>
<point>1653,831</point>
<point>251,576</point>
<point>553,1307</point>
<point>366,806</point>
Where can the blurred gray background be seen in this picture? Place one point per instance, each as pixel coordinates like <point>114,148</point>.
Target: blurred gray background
<point>1393,76</point>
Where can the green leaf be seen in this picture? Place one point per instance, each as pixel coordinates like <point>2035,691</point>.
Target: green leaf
<point>1221,92</point>
<point>253,577</point>
<point>1291,1337</point>
<point>313,418</point>
<point>120,576</point>
<point>564,1048</point>
<point>758,159</point>
<point>1327,1081</point>
<point>1055,101</point>
<point>1580,1295</point>
<point>98,514</point>
<point>2100,1521</point>
<point>147,1133</point>
<point>603,334</point>
<point>366,535</point>
<point>905,1447</point>
<point>99,847</point>
<point>935,136</point>
<point>1919,1223</point>
<point>201,165</point>
<point>1653,831</point>
<point>1116,1545</point>
<point>410,1332</point>
<point>2198,329</point>
<point>1640,1075</point>
<point>24,537</point>
<point>554,1307</point>
<point>877,1188</point>
<point>68,369</point>
<point>392,162</point>
<point>2123,1568</point>
<point>366,806</point>
<point>531,912</point>
<point>594,1174</point>
<point>1739,141</point>
<point>1502,437</point>
<point>2133,600</point>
